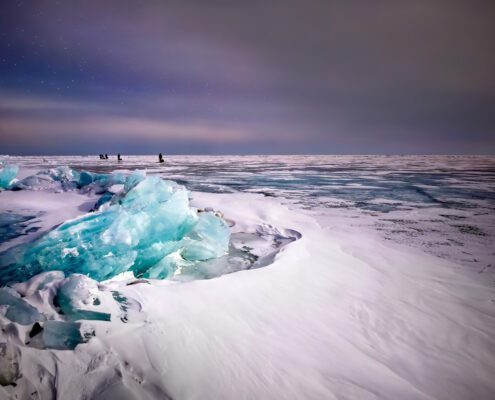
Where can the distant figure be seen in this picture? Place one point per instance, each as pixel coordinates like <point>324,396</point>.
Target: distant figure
<point>106,156</point>
<point>160,158</point>
<point>102,157</point>
<point>118,157</point>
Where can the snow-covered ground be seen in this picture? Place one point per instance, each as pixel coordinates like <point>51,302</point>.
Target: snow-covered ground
<point>387,293</point>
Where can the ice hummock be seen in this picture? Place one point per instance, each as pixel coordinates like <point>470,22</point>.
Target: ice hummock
<point>63,178</point>
<point>149,228</point>
<point>8,174</point>
<point>56,312</point>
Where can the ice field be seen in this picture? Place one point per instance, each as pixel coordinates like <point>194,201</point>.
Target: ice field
<point>268,277</point>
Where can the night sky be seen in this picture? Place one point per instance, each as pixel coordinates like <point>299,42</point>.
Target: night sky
<point>247,77</point>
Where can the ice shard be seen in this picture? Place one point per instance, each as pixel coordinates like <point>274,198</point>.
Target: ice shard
<point>8,174</point>
<point>17,309</point>
<point>62,335</point>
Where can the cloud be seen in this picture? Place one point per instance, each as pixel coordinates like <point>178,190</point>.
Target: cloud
<point>118,128</point>
<point>352,77</point>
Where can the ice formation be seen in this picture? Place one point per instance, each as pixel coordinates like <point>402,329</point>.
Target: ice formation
<point>17,309</point>
<point>64,178</point>
<point>7,175</point>
<point>53,309</point>
<point>148,228</point>
<point>76,293</point>
<point>62,335</point>
<point>141,224</point>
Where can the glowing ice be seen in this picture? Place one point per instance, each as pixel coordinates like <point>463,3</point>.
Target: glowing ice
<point>7,175</point>
<point>148,229</point>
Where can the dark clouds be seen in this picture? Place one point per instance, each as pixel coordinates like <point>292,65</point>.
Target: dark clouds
<point>247,77</point>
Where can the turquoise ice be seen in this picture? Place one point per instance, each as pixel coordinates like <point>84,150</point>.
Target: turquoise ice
<point>17,309</point>
<point>62,335</point>
<point>7,175</point>
<point>76,294</point>
<point>149,229</point>
<point>64,178</point>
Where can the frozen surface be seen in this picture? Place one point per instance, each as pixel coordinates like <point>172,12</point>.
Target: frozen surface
<point>444,205</point>
<point>63,178</point>
<point>367,303</point>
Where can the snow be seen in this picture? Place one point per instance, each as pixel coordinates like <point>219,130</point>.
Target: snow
<point>337,313</point>
<point>46,210</point>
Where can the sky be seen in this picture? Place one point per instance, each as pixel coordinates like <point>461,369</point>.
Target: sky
<point>247,77</point>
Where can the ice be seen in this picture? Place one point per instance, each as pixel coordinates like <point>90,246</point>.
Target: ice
<point>7,175</point>
<point>76,293</point>
<point>17,309</point>
<point>62,335</point>
<point>9,364</point>
<point>133,179</point>
<point>365,317</point>
<point>207,240</point>
<point>64,178</point>
<point>148,229</point>
<point>37,182</point>
<point>85,178</point>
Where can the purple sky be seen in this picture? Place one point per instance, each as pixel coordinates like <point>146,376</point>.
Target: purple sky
<point>236,77</point>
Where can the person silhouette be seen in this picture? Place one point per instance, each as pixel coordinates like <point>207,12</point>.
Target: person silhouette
<point>160,158</point>
<point>106,156</point>
<point>118,157</point>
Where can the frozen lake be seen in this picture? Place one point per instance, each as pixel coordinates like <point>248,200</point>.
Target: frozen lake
<point>444,205</point>
<point>353,278</point>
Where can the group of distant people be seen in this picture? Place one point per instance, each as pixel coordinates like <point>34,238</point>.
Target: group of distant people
<point>119,158</point>
<point>105,157</point>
